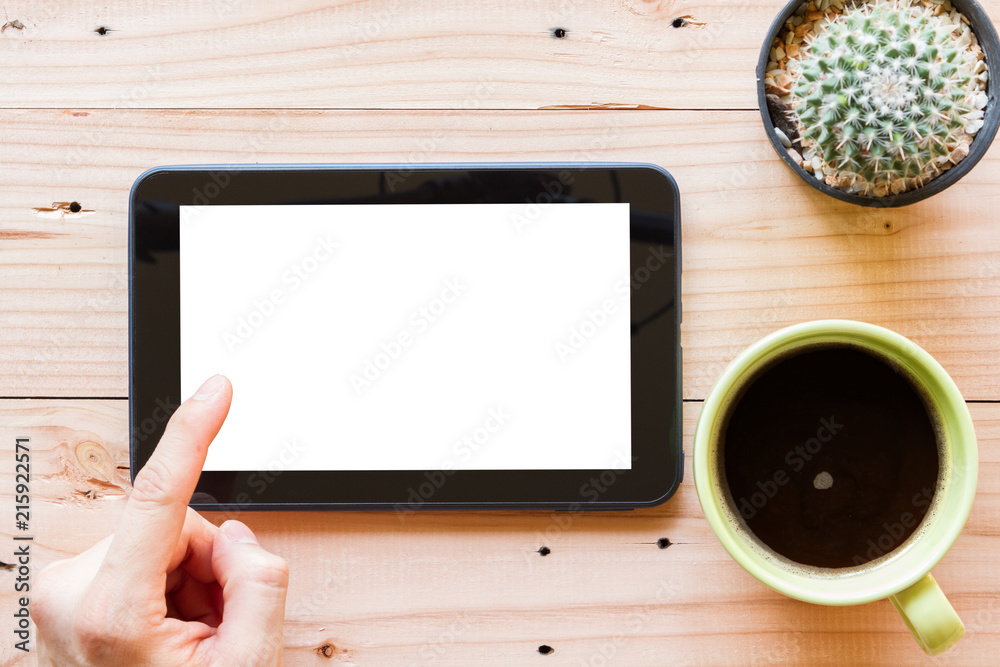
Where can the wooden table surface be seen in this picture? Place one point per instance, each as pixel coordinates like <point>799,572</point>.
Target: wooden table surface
<point>94,93</point>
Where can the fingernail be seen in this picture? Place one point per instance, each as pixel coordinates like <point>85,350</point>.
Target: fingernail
<point>210,388</point>
<point>238,532</point>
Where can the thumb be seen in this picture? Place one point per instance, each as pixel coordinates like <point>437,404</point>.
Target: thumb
<point>254,584</point>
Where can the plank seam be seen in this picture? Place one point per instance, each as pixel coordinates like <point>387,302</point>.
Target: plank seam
<point>567,107</point>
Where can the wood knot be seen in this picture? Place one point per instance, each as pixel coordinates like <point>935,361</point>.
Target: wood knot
<point>688,21</point>
<point>15,24</point>
<point>61,210</point>
<point>96,461</point>
<point>326,650</point>
<point>84,470</point>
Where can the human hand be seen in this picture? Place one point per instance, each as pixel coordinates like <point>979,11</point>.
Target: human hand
<point>168,587</point>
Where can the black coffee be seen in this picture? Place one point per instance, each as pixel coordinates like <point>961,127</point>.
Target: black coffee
<point>831,457</point>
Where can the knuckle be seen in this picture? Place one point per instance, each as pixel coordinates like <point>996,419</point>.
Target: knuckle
<point>151,484</point>
<point>181,425</point>
<point>269,569</point>
<point>102,628</point>
<point>91,632</point>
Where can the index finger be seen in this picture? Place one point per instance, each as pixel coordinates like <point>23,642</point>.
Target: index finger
<point>148,532</point>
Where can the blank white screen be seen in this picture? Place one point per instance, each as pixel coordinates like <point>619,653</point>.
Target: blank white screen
<point>411,337</point>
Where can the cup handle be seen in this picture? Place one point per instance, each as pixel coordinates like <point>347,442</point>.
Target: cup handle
<point>929,615</point>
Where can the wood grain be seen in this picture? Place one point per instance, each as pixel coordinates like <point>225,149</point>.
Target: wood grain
<point>383,54</point>
<point>761,250</point>
<point>471,588</point>
<point>492,54</point>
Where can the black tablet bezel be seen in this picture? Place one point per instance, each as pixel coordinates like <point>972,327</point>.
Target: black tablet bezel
<point>154,330</point>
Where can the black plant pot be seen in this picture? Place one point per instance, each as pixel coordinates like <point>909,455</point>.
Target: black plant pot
<point>983,29</point>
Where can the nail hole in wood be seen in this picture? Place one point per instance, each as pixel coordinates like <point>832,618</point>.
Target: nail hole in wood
<point>74,207</point>
<point>545,649</point>
<point>545,551</point>
<point>663,542</point>
<point>102,30</point>
<point>679,22</point>
<point>559,33</point>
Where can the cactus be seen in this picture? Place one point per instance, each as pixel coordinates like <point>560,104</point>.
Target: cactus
<point>881,94</point>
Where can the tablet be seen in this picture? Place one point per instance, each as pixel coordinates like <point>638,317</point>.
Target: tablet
<point>408,337</point>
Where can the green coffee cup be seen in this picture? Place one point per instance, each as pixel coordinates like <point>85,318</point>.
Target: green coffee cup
<point>903,574</point>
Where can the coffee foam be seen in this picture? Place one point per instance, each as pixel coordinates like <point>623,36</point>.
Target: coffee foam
<point>736,520</point>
